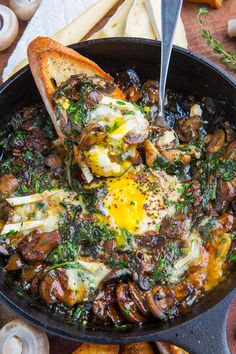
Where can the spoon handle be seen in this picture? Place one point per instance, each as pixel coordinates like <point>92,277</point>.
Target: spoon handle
<point>170,10</point>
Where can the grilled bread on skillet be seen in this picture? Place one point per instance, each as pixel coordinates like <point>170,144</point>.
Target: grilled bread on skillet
<point>51,64</point>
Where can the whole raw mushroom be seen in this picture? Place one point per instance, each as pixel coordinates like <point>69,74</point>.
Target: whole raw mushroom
<point>19,337</point>
<point>24,9</point>
<point>8,27</point>
<point>232,28</point>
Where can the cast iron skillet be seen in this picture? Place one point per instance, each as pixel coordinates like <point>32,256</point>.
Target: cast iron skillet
<point>203,329</point>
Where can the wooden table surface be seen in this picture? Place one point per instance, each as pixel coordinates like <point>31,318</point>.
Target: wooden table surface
<point>217,23</point>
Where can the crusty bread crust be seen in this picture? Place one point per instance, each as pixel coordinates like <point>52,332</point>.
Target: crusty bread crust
<point>52,62</point>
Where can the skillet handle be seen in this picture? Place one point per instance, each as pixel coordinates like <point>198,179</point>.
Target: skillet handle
<point>206,334</point>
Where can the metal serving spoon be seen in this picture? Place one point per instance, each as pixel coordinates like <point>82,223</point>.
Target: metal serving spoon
<point>170,11</point>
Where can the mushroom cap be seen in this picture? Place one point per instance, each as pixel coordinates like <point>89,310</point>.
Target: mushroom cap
<point>19,337</point>
<point>24,9</point>
<point>8,27</point>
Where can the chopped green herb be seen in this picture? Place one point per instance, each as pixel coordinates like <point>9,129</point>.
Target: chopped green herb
<point>126,312</point>
<point>121,103</point>
<point>227,58</point>
<point>24,188</point>
<point>40,205</point>
<point>232,258</point>
<point>37,186</point>
<point>27,155</point>
<point>12,233</point>
<point>107,128</point>
<point>117,263</point>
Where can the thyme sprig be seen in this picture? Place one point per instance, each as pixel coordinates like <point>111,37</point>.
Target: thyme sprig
<point>227,58</point>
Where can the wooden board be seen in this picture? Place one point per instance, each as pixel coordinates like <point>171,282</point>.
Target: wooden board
<point>217,23</point>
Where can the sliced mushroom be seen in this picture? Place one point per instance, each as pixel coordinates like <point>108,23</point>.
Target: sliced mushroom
<point>128,308</point>
<point>129,83</point>
<point>116,275</point>
<point>53,161</point>
<point>6,211</point>
<point>229,132</point>
<point>29,273</point>
<point>19,337</point>
<point>138,298</point>
<point>14,263</point>
<point>231,150</point>
<point>114,314</point>
<point>150,92</point>
<point>8,184</point>
<point>188,129</point>
<point>36,247</point>
<point>92,134</point>
<point>133,138</point>
<point>216,141</point>
<point>78,156</point>
<point>226,193</point>
<point>8,27</point>
<point>172,227</point>
<point>24,9</point>
<point>166,138</point>
<point>151,152</point>
<point>161,302</point>
<point>100,304</point>
<point>155,306</point>
<point>103,305</point>
<point>54,287</point>
<point>3,251</point>
<point>174,155</point>
<point>228,221</point>
<point>132,93</point>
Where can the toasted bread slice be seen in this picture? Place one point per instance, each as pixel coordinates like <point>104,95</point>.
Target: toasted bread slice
<point>89,348</point>
<point>52,64</point>
<point>137,348</point>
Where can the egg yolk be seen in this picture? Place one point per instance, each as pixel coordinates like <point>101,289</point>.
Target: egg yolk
<point>125,203</point>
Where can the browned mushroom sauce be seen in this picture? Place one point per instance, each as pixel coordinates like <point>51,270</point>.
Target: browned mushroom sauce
<point>135,291</point>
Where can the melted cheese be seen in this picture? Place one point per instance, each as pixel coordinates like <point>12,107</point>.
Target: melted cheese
<point>29,216</point>
<point>218,250</point>
<point>85,278</point>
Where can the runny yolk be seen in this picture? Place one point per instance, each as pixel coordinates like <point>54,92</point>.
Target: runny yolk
<point>125,204</point>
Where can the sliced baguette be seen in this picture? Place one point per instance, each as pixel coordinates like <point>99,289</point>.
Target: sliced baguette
<point>50,63</point>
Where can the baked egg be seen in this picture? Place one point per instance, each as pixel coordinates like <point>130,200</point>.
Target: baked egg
<point>125,126</point>
<point>137,201</point>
